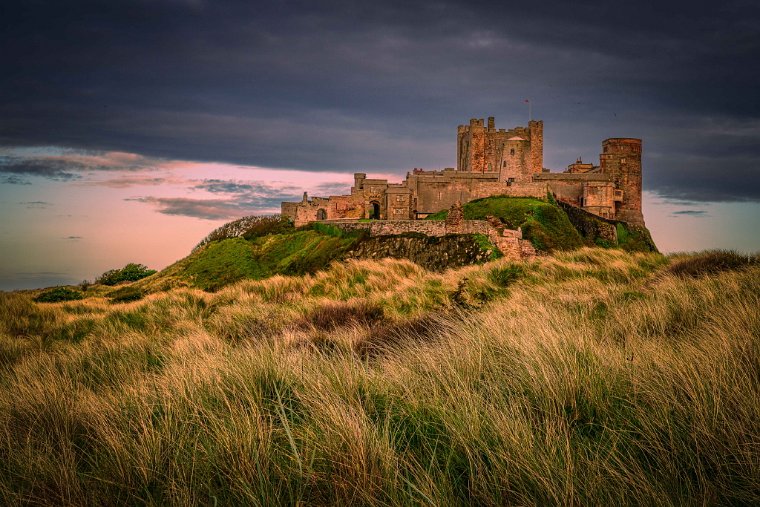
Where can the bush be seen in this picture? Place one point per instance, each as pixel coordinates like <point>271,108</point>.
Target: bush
<point>129,273</point>
<point>126,294</point>
<point>712,262</point>
<point>249,228</point>
<point>504,276</point>
<point>58,294</point>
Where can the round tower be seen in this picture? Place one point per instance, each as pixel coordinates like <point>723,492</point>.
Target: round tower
<point>621,158</point>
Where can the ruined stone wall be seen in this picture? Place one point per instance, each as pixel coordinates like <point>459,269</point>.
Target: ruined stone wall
<point>433,253</point>
<point>289,209</point>
<point>508,241</point>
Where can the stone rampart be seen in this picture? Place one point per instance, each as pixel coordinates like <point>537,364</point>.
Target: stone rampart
<point>508,241</point>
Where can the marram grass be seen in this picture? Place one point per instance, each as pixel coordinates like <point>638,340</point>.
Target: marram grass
<point>592,377</point>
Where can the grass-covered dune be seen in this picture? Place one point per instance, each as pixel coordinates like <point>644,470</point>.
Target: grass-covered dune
<point>590,377</point>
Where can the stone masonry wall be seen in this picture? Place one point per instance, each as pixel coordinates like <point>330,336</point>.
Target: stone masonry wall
<point>509,242</point>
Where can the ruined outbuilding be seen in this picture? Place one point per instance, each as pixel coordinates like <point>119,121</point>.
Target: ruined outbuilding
<point>491,162</point>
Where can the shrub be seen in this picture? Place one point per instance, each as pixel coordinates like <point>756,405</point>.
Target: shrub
<point>711,262</point>
<point>249,228</point>
<point>129,273</point>
<point>504,276</point>
<point>126,294</point>
<point>58,294</point>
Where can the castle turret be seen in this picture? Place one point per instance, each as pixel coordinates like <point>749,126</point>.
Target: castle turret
<point>476,154</point>
<point>536,158</point>
<point>621,158</point>
<point>359,180</point>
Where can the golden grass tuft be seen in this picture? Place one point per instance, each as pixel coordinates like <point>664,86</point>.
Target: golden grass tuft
<point>590,377</point>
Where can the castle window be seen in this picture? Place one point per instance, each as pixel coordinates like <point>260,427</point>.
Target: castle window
<point>512,151</point>
<point>504,164</point>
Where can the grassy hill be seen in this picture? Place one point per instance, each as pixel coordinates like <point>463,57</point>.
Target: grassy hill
<point>228,260</point>
<point>542,222</point>
<point>593,376</point>
<point>260,248</point>
<point>547,224</point>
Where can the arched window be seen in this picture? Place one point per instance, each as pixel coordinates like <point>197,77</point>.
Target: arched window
<point>321,214</point>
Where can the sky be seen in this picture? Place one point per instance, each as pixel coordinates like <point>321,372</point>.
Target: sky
<point>129,129</point>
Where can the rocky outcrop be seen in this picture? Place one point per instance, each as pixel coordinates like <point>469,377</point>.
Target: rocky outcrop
<point>435,253</point>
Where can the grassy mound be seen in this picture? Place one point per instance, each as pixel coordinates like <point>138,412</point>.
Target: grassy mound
<point>593,377</point>
<point>543,223</point>
<point>220,263</point>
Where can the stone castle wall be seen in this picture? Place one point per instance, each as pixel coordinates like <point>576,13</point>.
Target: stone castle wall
<point>492,162</point>
<point>508,241</point>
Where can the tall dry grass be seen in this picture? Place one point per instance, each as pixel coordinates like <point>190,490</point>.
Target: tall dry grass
<point>590,377</point>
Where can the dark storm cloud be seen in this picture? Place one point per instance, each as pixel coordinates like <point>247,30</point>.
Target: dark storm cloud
<point>54,170</point>
<point>246,188</point>
<point>215,209</point>
<point>14,180</point>
<point>258,199</point>
<point>69,164</point>
<point>381,85</point>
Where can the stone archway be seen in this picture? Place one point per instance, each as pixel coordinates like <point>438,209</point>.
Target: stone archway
<point>374,210</point>
<point>321,214</point>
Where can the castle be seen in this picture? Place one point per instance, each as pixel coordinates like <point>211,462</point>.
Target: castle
<point>491,162</point>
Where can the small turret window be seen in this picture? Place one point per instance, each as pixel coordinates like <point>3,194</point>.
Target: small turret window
<point>512,151</point>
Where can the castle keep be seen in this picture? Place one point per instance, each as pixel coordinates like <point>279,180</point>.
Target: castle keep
<point>491,162</point>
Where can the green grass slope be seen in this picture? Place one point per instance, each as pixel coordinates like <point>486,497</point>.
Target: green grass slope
<point>543,223</point>
<point>223,262</point>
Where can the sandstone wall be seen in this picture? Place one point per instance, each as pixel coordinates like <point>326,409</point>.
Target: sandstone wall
<point>434,253</point>
<point>621,160</point>
<point>508,241</point>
